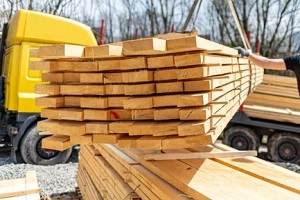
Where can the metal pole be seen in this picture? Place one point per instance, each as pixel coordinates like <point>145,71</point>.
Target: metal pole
<point>188,19</point>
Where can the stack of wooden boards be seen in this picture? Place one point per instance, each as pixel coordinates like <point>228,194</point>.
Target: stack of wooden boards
<point>151,93</point>
<point>276,98</point>
<point>21,188</point>
<point>106,172</point>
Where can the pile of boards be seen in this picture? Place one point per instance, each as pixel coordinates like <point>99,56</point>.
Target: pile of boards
<point>20,188</point>
<point>168,92</point>
<point>106,172</point>
<point>276,98</point>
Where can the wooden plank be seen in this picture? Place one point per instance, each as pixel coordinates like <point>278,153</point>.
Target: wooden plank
<point>93,102</point>
<point>116,114</point>
<point>170,87</point>
<point>137,76</point>
<point>193,128</point>
<point>82,90</point>
<point>97,127</point>
<point>144,46</point>
<point>201,59</point>
<point>138,103</point>
<point>143,114</point>
<point>120,127</point>
<point>71,101</point>
<point>31,184</point>
<point>57,142</point>
<point>200,173</point>
<point>75,114</point>
<point>50,101</point>
<point>43,65</point>
<point>261,169</point>
<point>133,63</point>
<point>108,65</point>
<point>81,139</point>
<point>187,100</point>
<point>165,100</point>
<point>110,174</point>
<point>47,125</point>
<point>166,114</point>
<point>165,74</point>
<point>197,72</point>
<point>112,78</point>
<point>107,50</point>
<point>141,128</point>
<point>197,155</point>
<point>63,50</point>
<point>53,77</point>
<point>160,62</point>
<point>71,128</point>
<point>82,66</point>
<point>164,129</point>
<point>140,89</point>
<point>47,89</point>
<point>116,102</point>
<point>114,89</point>
<point>198,113</point>
<point>107,138</point>
<point>91,78</point>
<point>145,183</point>
<point>175,142</point>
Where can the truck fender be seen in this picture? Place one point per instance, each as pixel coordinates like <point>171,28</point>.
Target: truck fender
<point>27,123</point>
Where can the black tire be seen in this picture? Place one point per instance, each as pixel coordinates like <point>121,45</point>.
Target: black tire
<point>241,138</point>
<point>32,153</point>
<point>284,147</point>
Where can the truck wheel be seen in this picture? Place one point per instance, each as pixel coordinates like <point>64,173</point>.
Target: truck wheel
<point>241,138</point>
<point>284,147</point>
<point>32,152</point>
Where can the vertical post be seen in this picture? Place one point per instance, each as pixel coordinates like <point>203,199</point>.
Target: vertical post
<point>249,35</point>
<point>136,33</point>
<point>172,28</point>
<point>101,35</point>
<point>257,46</point>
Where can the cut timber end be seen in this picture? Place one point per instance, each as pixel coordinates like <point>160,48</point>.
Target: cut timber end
<point>63,50</point>
<point>144,46</point>
<point>101,51</point>
<point>56,142</point>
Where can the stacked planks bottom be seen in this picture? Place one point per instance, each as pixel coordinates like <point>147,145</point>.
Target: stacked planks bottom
<point>106,172</point>
<point>21,188</point>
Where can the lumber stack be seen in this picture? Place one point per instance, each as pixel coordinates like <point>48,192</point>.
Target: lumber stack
<point>151,93</point>
<point>21,188</point>
<point>276,98</point>
<point>127,175</point>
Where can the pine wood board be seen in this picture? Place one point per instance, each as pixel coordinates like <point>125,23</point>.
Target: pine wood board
<point>152,184</point>
<point>112,181</point>
<point>284,81</point>
<point>273,101</point>
<point>101,184</point>
<point>57,142</point>
<point>61,50</point>
<point>87,187</point>
<point>21,188</point>
<point>144,46</point>
<point>197,183</point>
<point>276,114</point>
<point>261,169</point>
<point>106,50</point>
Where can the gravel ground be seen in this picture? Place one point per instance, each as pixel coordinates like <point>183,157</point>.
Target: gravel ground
<point>59,181</point>
<point>53,180</point>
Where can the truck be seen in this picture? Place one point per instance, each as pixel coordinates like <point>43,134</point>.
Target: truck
<point>268,118</point>
<point>19,115</point>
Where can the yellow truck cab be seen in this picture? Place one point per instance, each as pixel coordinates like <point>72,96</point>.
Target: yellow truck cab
<point>19,114</point>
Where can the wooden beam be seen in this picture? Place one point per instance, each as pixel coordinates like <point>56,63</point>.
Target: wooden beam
<point>197,155</point>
